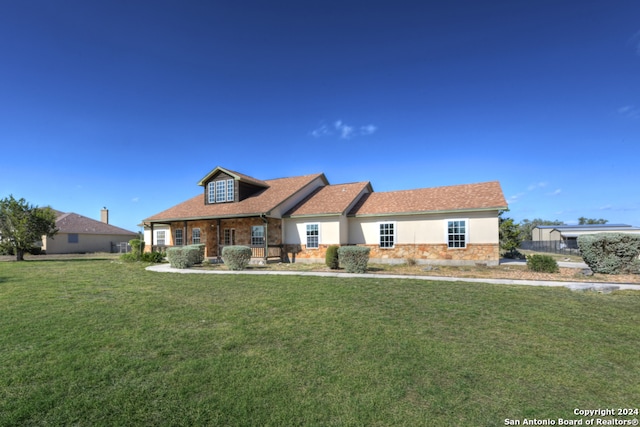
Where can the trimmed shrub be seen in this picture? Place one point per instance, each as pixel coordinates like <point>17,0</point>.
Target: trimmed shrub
<point>354,258</point>
<point>542,264</point>
<point>184,256</point>
<point>611,253</point>
<point>196,252</point>
<point>236,257</point>
<point>331,257</point>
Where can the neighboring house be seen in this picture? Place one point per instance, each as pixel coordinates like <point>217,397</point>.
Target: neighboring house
<point>79,234</point>
<point>567,235</point>
<point>297,218</point>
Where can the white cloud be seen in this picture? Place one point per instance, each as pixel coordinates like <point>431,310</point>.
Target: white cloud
<point>556,192</point>
<point>135,199</point>
<point>536,186</point>
<point>368,129</point>
<point>629,111</point>
<point>515,198</point>
<point>343,130</point>
<point>321,131</point>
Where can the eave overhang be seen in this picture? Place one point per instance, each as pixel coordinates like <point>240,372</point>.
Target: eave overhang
<point>447,211</point>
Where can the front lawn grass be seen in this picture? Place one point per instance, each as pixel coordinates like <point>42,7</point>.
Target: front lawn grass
<point>99,342</point>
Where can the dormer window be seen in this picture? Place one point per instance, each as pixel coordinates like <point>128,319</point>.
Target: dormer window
<point>221,191</point>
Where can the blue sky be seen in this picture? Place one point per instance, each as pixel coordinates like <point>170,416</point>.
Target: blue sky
<point>127,104</point>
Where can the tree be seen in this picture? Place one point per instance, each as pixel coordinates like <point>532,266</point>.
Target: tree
<point>510,237</point>
<point>22,225</point>
<point>585,221</point>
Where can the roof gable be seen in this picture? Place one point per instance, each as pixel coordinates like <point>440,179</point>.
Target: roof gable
<point>330,200</point>
<point>276,193</point>
<point>467,197</point>
<point>236,175</point>
<point>77,224</point>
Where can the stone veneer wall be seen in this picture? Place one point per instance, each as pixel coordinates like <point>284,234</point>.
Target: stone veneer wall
<point>209,232</point>
<point>293,253</point>
<point>421,253</point>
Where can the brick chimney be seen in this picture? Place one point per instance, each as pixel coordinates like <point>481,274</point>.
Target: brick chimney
<point>104,215</point>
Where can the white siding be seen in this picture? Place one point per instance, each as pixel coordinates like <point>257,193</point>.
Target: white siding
<point>425,229</point>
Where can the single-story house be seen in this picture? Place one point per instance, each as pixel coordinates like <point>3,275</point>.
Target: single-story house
<point>79,234</point>
<point>297,218</point>
<point>567,235</point>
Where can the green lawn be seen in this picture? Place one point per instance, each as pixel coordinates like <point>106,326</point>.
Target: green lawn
<point>98,342</point>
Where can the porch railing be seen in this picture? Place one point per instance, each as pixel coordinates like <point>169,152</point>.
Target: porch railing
<point>259,252</point>
<point>256,251</point>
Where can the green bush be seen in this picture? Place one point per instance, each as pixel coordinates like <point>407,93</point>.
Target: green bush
<point>129,257</point>
<point>542,264</point>
<point>137,248</point>
<point>196,252</point>
<point>331,257</point>
<point>155,257</point>
<point>181,256</point>
<point>611,253</point>
<point>236,257</point>
<point>354,258</point>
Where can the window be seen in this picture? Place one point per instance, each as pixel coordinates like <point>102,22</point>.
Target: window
<point>178,239</point>
<point>230,194</point>
<point>312,236</point>
<point>221,195</point>
<point>160,238</point>
<point>72,238</point>
<point>195,236</point>
<point>387,235</point>
<point>221,191</point>
<point>211,192</point>
<point>457,233</point>
<point>229,235</point>
<point>257,235</point>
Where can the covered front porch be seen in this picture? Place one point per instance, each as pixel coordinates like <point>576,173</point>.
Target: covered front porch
<point>262,234</point>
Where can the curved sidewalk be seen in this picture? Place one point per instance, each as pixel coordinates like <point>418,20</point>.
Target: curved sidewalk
<point>595,286</point>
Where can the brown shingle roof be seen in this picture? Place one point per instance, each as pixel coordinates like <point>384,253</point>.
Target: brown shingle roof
<point>278,191</point>
<point>330,199</point>
<point>487,195</point>
<point>75,223</point>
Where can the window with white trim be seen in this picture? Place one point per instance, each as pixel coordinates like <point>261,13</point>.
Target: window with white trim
<point>178,237</point>
<point>160,237</point>
<point>229,236</point>
<point>387,234</point>
<point>257,235</point>
<point>312,236</point>
<point>457,233</point>
<point>195,236</point>
<point>221,192</point>
<point>230,189</point>
<point>211,192</point>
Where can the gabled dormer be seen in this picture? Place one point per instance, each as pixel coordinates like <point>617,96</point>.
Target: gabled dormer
<point>226,186</point>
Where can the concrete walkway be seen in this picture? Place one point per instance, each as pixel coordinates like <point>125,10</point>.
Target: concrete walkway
<point>578,286</point>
